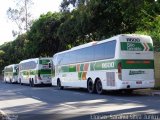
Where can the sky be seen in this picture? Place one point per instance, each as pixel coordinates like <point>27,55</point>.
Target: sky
<point>39,7</point>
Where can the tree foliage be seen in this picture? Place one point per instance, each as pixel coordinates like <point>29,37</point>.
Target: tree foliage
<point>43,39</point>
<point>82,21</point>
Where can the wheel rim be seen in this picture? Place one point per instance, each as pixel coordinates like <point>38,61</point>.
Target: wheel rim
<point>99,86</point>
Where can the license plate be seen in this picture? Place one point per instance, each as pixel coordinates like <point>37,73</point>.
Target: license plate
<point>139,82</point>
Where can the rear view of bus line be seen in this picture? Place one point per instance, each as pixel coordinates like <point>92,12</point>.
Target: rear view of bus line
<point>35,71</point>
<point>123,62</point>
<point>11,73</point>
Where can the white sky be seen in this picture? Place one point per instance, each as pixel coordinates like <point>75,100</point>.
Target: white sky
<point>39,7</point>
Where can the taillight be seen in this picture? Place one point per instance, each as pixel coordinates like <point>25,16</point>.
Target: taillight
<point>120,70</point>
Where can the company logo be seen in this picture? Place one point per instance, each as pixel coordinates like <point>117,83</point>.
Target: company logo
<point>108,65</point>
<point>133,40</point>
<point>136,72</point>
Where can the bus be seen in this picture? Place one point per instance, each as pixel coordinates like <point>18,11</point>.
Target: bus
<point>123,62</point>
<point>11,73</point>
<point>35,71</point>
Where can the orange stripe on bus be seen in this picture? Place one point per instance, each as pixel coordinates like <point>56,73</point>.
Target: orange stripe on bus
<point>146,62</point>
<point>130,62</point>
<point>84,75</point>
<point>138,62</point>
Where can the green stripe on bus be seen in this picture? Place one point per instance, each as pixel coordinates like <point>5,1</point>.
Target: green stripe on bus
<point>113,64</point>
<point>131,46</point>
<point>79,75</point>
<point>43,71</point>
<point>72,68</point>
<point>109,65</point>
<point>103,65</point>
<point>138,64</point>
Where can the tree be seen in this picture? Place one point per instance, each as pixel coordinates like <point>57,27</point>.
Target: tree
<point>43,39</point>
<point>21,16</point>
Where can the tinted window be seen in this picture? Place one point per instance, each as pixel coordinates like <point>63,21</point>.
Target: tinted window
<point>110,49</point>
<point>99,51</point>
<point>96,52</point>
<point>105,50</point>
<point>28,65</point>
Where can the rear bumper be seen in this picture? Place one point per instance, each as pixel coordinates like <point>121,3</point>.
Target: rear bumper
<point>136,84</point>
<point>42,82</point>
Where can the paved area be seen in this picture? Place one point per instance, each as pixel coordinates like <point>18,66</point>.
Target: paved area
<point>151,92</point>
<point>49,103</point>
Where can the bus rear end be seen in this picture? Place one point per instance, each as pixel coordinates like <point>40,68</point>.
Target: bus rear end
<point>136,62</point>
<point>44,72</point>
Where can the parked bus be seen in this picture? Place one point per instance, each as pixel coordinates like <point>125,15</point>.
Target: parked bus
<point>11,73</point>
<point>35,71</point>
<point>122,62</point>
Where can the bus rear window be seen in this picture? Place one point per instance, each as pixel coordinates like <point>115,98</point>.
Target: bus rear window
<point>44,62</point>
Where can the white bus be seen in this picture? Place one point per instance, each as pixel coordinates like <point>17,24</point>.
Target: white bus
<point>122,62</point>
<point>35,71</point>
<point>11,73</point>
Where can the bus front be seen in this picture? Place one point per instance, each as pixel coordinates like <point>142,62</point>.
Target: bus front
<point>135,66</point>
<point>44,72</point>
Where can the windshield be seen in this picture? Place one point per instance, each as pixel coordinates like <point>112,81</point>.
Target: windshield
<point>44,63</point>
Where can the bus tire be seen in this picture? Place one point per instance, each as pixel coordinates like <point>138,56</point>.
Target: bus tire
<point>5,81</point>
<point>20,82</point>
<point>90,86</point>
<point>60,87</point>
<point>98,85</point>
<point>10,81</point>
<point>32,83</point>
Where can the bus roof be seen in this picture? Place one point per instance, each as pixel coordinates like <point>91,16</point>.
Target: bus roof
<point>102,41</point>
<point>34,59</point>
<point>11,65</point>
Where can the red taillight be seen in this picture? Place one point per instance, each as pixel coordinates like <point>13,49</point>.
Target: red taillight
<point>120,70</point>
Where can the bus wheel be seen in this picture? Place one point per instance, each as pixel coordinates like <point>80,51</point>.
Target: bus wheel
<point>99,88</point>
<point>60,87</point>
<point>32,83</point>
<point>20,82</point>
<point>90,86</point>
<point>10,81</point>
